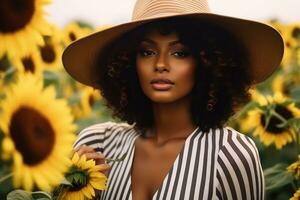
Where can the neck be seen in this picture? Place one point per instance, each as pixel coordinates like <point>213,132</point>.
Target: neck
<point>172,121</point>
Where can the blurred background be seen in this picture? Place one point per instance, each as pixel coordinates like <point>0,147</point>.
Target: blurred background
<point>98,12</point>
<point>42,109</point>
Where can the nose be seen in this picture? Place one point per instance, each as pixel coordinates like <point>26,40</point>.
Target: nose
<point>162,63</point>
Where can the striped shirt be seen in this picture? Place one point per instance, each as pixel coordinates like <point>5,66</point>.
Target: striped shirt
<point>218,164</point>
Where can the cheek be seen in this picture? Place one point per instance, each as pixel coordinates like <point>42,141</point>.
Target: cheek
<point>187,73</point>
<point>143,71</point>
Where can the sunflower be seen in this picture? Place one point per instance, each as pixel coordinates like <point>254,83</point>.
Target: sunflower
<point>295,31</point>
<point>28,63</point>
<point>83,99</point>
<point>290,36</point>
<point>88,98</point>
<point>38,141</point>
<point>90,179</point>
<point>50,53</point>
<point>294,168</point>
<point>285,83</point>
<point>73,31</point>
<point>22,25</point>
<point>296,195</point>
<point>270,130</point>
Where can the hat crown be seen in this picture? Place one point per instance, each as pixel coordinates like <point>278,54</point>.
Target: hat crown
<point>147,9</point>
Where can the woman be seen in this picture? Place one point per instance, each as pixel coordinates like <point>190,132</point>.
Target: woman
<point>175,80</point>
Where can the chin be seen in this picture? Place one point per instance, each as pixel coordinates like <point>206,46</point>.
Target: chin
<point>164,98</point>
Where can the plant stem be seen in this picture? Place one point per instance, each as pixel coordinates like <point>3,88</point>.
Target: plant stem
<point>273,112</point>
<point>294,185</point>
<point>117,159</point>
<point>60,191</point>
<point>2,179</point>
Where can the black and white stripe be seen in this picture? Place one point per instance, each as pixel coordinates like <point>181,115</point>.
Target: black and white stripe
<point>219,164</point>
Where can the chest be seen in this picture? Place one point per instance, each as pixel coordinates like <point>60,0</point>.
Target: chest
<point>150,167</point>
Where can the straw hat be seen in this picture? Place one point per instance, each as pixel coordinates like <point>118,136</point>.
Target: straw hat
<point>263,44</point>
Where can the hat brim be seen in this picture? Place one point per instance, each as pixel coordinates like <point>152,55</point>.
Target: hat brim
<point>263,45</point>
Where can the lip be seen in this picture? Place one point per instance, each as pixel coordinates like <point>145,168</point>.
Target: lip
<point>161,84</point>
<point>161,81</point>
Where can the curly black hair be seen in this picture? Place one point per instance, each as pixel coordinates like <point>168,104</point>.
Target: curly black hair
<point>222,74</point>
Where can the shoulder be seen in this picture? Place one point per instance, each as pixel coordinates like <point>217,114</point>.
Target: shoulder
<point>96,134</point>
<point>227,137</point>
<point>239,170</point>
<point>237,145</point>
<point>230,138</point>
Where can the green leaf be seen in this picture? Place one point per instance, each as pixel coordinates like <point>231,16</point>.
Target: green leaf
<point>42,198</point>
<point>40,195</point>
<point>77,177</point>
<point>19,195</point>
<point>277,176</point>
<point>4,64</point>
<point>65,182</point>
<point>294,122</point>
<point>295,92</point>
<point>50,76</point>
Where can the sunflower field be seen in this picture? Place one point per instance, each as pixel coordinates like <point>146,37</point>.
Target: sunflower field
<point>42,109</point>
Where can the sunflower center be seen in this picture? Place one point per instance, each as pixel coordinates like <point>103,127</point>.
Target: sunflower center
<point>296,32</point>
<point>274,123</point>
<point>32,134</point>
<point>48,53</point>
<point>28,64</point>
<point>72,36</point>
<point>15,14</point>
<point>91,100</point>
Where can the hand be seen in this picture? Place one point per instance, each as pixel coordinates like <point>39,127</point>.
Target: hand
<point>90,153</point>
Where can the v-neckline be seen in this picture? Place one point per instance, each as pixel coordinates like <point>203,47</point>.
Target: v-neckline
<point>181,152</point>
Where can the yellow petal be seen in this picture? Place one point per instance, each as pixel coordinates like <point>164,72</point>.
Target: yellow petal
<point>75,158</point>
<point>41,182</point>
<point>86,191</point>
<point>27,179</point>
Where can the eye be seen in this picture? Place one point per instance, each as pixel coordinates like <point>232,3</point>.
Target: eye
<point>146,52</point>
<point>181,54</point>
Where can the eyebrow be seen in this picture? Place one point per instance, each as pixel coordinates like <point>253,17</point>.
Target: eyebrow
<point>154,43</point>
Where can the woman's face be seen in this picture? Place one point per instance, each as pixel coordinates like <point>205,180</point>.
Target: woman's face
<point>165,67</point>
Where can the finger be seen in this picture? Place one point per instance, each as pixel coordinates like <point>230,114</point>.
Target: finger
<point>104,168</point>
<point>98,157</point>
<point>80,147</point>
<point>90,153</point>
<point>85,149</point>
